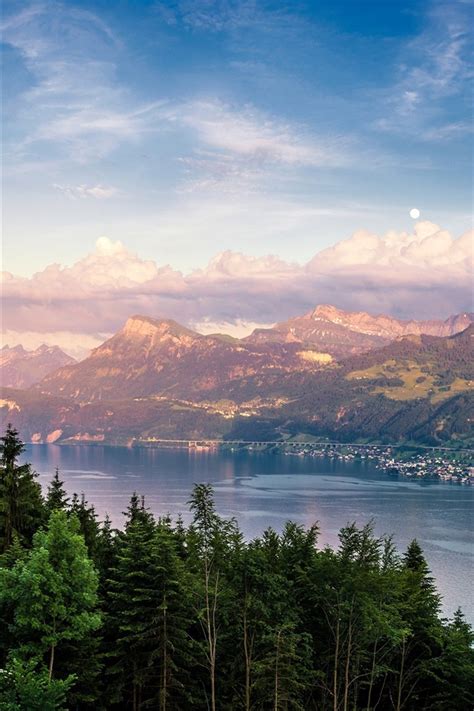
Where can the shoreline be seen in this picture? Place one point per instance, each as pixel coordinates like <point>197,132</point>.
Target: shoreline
<point>410,462</point>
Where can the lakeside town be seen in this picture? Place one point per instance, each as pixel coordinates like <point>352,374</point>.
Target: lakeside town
<point>442,465</point>
<point>415,462</point>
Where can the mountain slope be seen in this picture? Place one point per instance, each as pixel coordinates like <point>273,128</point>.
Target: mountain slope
<point>20,368</point>
<point>417,388</point>
<point>160,357</point>
<point>343,333</point>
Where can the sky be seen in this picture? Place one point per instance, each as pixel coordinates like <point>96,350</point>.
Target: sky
<point>233,162</point>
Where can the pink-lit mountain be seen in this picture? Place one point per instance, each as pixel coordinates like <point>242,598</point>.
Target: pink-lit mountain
<point>20,368</point>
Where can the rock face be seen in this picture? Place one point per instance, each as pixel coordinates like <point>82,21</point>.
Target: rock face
<point>160,357</point>
<point>418,388</point>
<point>343,333</point>
<point>20,368</point>
<point>150,357</point>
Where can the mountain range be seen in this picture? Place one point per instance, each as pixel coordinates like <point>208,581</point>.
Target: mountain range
<point>20,368</point>
<point>328,373</point>
<point>342,333</point>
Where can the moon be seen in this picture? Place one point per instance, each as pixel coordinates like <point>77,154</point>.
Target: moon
<point>414,213</point>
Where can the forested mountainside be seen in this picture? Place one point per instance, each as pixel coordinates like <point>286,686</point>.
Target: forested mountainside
<point>150,357</point>
<point>417,388</point>
<point>170,616</point>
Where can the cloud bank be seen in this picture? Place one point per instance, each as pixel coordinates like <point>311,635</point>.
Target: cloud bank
<point>425,273</point>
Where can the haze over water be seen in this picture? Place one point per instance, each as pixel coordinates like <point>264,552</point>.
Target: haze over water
<point>262,490</point>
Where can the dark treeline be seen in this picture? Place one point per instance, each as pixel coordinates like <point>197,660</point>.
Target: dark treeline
<point>165,616</point>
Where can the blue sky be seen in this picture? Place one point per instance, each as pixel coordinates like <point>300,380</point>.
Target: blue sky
<point>191,127</point>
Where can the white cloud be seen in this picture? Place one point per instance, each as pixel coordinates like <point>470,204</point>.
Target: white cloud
<point>250,133</point>
<point>237,329</point>
<point>81,192</point>
<point>427,247</point>
<point>425,273</point>
<point>433,67</point>
<point>76,101</point>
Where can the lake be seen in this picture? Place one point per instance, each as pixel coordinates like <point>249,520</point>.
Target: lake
<point>263,489</point>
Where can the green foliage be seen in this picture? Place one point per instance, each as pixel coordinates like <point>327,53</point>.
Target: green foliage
<point>56,497</point>
<point>25,688</point>
<point>87,518</point>
<point>148,613</point>
<point>196,617</point>
<point>21,505</point>
<point>53,590</point>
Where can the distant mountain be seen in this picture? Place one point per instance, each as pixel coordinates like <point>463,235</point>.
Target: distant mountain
<point>418,388</point>
<point>182,385</point>
<point>161,357</point>
<point>20,368</point>
<point>343,333</point>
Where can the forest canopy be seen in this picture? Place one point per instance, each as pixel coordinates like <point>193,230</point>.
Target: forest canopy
<point>159,615</point>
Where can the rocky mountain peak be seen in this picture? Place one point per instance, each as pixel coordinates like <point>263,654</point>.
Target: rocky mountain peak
<point>145,327</point>
<point>327,312</point>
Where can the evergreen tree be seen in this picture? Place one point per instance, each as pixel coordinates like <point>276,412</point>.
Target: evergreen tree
<point>422,641</point>
<point>25,688</point>
<point>197,618</point>
<point>134,602</point>
<point>283,677</point>
<point>56,497</point>
<point>171,621</point>
<point>88,524</point>
<point>453,671</point>
<point>21,504</point>
<point>211,542</point>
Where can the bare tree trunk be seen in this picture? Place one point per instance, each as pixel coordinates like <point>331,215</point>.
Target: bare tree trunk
<point>400,679</point>
<point>211,610</point>
<point>51,662</point>
<point>135,704</point>
<point>165,659</point>
<point>248,658</point>
<point>372,676</point>
<point>348,665</point>
<point>277,660</point>
<point>336,662</point>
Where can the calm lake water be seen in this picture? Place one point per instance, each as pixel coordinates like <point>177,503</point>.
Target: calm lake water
<point>263,490</point>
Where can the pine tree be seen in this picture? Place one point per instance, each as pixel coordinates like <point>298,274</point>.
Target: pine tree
<point>453,670</point>
<point>421,643</point>
<point>211,541</point>
<point>21,504</point>
<point>24,687</point>
<point>283,677</point>
<point>88,525</point>
<point>171,622</point>
<point>133,605</point>
<point>56,497</point>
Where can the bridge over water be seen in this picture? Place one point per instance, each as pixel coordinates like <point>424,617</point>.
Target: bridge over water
<point>193,443</point>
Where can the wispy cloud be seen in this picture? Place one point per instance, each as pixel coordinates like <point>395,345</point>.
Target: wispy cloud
<point>224,15</point>
<point>82,192</point>
<point>238,148</point>
<point>76,102</point>
<point>435,69</point>
<point>245,131</point>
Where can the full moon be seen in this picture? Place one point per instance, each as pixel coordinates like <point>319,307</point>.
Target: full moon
<point>414,213</point>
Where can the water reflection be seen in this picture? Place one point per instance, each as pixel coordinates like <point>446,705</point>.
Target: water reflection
<point>263,490</point>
